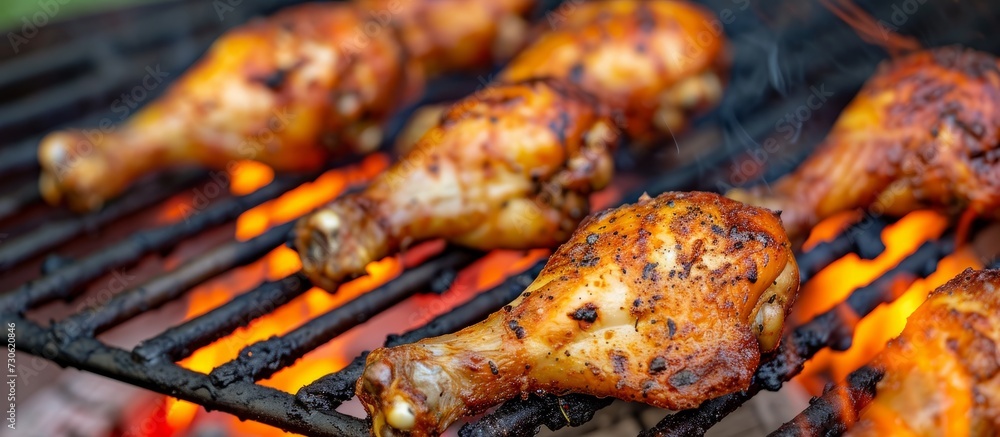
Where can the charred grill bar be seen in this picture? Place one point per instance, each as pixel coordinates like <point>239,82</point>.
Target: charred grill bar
<point>64,280</point>
<point>232,388</point>
<point>838,407</point>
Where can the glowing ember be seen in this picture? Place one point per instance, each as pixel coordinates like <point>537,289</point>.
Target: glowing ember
<point>281,262</point>
<point>882,325</point>
<point>247,176</point>
<point>887,321</point>
<point>834,283</point>
<point>306,197</point>
<point>829,229</point>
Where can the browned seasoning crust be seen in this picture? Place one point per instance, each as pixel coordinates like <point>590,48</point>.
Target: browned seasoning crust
<point>509,167</point>
<point>943,371</point>
<point>454,35</point>
<point>657,62</point>
<point>628,55</point>
<point>289,91</point>
<point>923,132</point>
<point>669,301</point>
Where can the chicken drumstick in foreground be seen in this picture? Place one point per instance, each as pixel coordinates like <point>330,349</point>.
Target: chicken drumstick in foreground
<point>941,372</point>
<point>923,132</point>
<point>670,301</point>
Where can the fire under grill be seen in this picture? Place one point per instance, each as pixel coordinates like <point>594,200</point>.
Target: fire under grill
<point>61,79</point>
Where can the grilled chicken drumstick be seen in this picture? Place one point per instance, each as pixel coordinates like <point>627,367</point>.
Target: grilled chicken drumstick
<point>941,372</point>
<point>455,35</point>
<point>922,132</point>
<point>670,301</point>
<point>288,91</point>
<point>655,62</point>
<point>511,166</point>
<point>450,187</point>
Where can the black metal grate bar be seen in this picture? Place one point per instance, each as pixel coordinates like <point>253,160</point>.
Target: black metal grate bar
<point>18,198</point>
<point>831,329</point>
<point>54,234</point>
<point>170,285</point>
<point>71,277</point>
<point>181,341</point>
<point>328,392</point>
<point>245,400</point>
<point>262,359</point>
<point>525,417</point>
<point>838,408</point>
<point>862,238</point>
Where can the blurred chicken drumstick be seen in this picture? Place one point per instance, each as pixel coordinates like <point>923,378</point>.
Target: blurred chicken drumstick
<point>670,301</point>
<point>501,170</point>
<point>923,132</point>
<point>941,372</point>
<point>291,90</point>
<point>654,62</point>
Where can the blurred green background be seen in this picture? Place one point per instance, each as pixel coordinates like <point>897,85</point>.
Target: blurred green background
<point>11,11</point>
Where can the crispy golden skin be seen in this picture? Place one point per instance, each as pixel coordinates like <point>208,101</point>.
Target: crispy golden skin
<point>455,35</point>
<point>669,301</point>
<point>942,372</point>
<point>509,167</point>
<point>656,61</point>
<point>284,91</point>
<point>289,91</point>
<point>923,132</point>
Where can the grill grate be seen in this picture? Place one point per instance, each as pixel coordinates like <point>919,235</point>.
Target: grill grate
<point>761,93</point>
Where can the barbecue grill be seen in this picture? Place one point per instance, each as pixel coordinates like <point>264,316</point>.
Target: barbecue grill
<point>784,52</point>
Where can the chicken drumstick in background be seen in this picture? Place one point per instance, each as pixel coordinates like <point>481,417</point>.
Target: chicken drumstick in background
<point>670,302</point>
<point>511,167</point>
<point>655,62</point>
<point>923,132</point>
<point>937,378</point>
<point>502,172</point>
<point>289,91</point>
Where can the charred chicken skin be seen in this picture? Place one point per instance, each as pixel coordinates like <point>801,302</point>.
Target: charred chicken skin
<point>942,371</point>
<point>653,62</point>
<point>923,132</point>
<point>426,199</point>
<point>289,91</point>
<point>508,167</point>
<point>455,35</point>
<point>670,301</point>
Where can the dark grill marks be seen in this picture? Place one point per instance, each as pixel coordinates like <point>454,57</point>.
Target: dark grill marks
<point>752,271</point>
<point>683,378</point>
<point>274,80</point>
<point>493,368</point>
<point>517,329</point>
<point>576,73</point>
<point>649,272</point>
<point>586,313</point>
<point>618,361</point>
<point>657,365</point>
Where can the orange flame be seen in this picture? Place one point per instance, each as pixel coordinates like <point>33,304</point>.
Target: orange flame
<point>834,283</point>
<point>282,261</point>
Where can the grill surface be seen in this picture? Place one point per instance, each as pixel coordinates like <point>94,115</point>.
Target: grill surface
<point>781,51</point>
